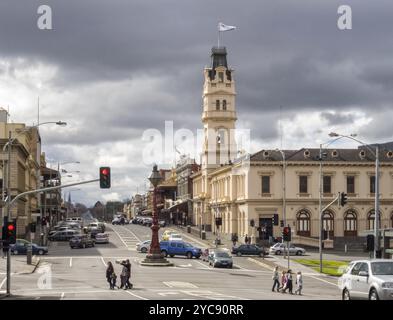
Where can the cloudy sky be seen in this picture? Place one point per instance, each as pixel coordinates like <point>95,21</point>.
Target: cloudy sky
<point>113,69</point>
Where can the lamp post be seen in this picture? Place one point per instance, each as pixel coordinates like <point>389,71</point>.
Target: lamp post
<point>284,168</point>
<point>155,257</point>
<point>375,153</point>
<point>8,184</point>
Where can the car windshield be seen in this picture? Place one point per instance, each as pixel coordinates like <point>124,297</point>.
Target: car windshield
<point>382,268</point>
<point>222,255</point>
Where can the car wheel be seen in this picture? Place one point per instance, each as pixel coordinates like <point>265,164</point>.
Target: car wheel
<point>261,255</point>
<point>230,266</point>
<point>373,295</point>
<point>346,295</point>
<point>164,253</point>
<point>40,252</point>
<point>189,255</point>
<point>14,252</point>
<point>144,250</point>
<point>171,255</point>
<point>278,252</point>
<point>299,253</point>
<point>239,254</point>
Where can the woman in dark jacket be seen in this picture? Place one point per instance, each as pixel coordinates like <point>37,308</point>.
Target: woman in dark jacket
<point>126,273</point>
<point>109,274</point>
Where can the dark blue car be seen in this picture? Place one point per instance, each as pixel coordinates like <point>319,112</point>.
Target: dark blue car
<point>179,248</point>
<point>21,248</point>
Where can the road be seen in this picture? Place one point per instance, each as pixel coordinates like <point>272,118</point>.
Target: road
<point>80,274</point>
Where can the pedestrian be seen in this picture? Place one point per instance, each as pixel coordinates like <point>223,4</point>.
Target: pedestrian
<point>275,279</point>
<point>299,283</point>
<point>234,239</point>
<point>283,282</point>
<point>246,239</point>
<point>125,275</point>
<point>109,273</point>
<point>289,281</point>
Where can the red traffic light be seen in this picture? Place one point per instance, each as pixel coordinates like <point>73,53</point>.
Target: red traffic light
<point>286,230</point>
<point>11,227</point>
<point>105,171</point>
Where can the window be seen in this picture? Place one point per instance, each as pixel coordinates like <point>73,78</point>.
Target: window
<point>217,104</point>
<point>224,105</point>
<point>303,223</point>
<point>303,184</point>
<point>356,268</point>
<point>265,184</point>
<point>327,184</point>
<point>372,184</point>
<point>351,184</point>
<point>350,224</point>
<point>328,223</point>
<point>221,77</point>
<point>371,220</point>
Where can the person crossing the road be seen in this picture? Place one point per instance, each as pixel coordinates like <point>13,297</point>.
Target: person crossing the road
<point>299,283</point>
<point>111,276</point>
<point>125,275</point>
<point>275,279</point>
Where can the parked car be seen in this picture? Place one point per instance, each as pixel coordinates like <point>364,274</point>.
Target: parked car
<point>220,258</point>
<point>21,248</point>
<point>280,248</point>
<point>368,279</point>
<point>81,241</point>
<point>63,235</point>
<point>143,246</point>
<point>179,248</point>
<point>162,223</point>
<point>102,238</point>
<point>147,221</point>
<point>249,249</point>
<point>98,225</point>
<point>175,236</point>
<point>116,221</point>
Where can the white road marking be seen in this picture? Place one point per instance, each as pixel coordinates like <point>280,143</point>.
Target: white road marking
<point>204,266</point>
<point>103,261</point>
<point>260,263</point>
<point>37,298</point>
<point>179,284</point>
<point>2,282</point>
<point>70,262</point>
<point>62,296</point>
<point>333,284</point>
<point>121,239</point>
<point>135,295</point>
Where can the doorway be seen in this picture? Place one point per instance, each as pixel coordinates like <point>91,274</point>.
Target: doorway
<point>266,228</point>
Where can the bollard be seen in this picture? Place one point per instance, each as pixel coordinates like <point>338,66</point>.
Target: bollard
<point>345,248</point>
<point>188,229</point>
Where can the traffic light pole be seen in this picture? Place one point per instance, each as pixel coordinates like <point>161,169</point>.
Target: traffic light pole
<point>9,212</point>
<point>10,202</point>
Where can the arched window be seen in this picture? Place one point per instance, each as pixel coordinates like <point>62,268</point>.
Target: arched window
<point>303,223</point>
<point>371,220</point>
<point>328,223</point>
<point>350,224</point>
<point>224,104</point>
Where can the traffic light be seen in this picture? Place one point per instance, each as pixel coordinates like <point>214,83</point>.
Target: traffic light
<point>9,232</point>
<point>33,226</point>
<point>275,220</point>
<point>343,199</point>
<point>370,242</point>
<point>286,234</point>
<point>282,223</point>
<point>105,177</point>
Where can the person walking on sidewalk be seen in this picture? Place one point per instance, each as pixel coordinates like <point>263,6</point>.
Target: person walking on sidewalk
<point>299,283</point>
<point>234,239</point>
<point>275,279</point>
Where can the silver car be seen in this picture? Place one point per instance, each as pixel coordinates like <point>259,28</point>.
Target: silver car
<point>368,279</point>
<point>280,248</point>
<point>143,246</point>
<point>220,259</point>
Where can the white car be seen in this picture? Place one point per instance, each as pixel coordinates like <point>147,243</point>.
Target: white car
<point>175,237</point>
<point>102,238</point>
<point>367,279</point>
<point>280,248</point>
<point>143,246</point>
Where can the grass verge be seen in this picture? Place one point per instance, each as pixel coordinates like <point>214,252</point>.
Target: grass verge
<point>329,267</point>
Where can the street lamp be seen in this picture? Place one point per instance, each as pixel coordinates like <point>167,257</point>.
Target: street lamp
<point>155,257</point>
<point>375,153</point>
<point>7,183</point>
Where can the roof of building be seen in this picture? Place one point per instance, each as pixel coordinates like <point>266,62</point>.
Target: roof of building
<point>333,155</point>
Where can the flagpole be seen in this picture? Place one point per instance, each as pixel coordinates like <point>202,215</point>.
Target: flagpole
<point>218,37</point>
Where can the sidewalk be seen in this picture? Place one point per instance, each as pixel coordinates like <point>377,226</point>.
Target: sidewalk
<point>18,265</point>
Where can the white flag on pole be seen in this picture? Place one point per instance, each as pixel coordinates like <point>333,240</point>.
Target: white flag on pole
<point>223,27</point>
